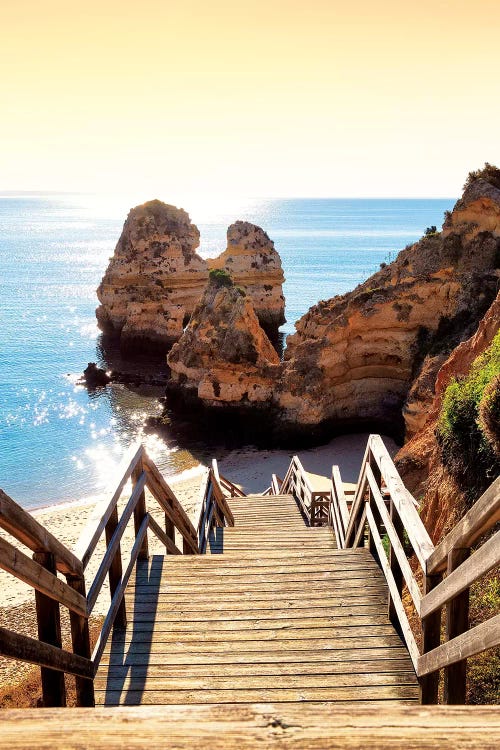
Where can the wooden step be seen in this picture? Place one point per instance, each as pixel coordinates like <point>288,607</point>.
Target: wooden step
<point>278,615</point>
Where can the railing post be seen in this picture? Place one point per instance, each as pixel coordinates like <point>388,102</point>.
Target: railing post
<point>378,479</point>
<point>431,638</point>
<point>395,568</point>
<point>457,622</point>
<point>140,510</point>
<point>115,570</point>
<point>49,630</point>
<point>80,637</point>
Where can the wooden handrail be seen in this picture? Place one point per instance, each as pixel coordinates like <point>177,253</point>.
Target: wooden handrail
<point>50,555</point>
<point>214,510</point>
<point>33,651</point>
<point>103,510</point>
<point>379,485</point>
<point>26,529</point>
<point>233,489</point>
<point>31,572</point>
<point>480,518</point>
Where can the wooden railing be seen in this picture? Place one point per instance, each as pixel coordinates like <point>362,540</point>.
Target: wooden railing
<point>214,511</point>
<point>51,557</point>
<point>314,504</point>
<point>384,516</point>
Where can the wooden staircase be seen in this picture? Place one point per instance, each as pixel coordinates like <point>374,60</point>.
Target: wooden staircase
<point>275,613</point>
<point>274,622</point>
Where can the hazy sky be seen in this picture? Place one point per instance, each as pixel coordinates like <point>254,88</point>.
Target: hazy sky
<point>261,98</point>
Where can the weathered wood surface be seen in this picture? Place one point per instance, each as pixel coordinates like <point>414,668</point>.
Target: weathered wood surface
<point>266,620</point>
<point>258,726</point>
<point>481,517</point>
<point>35,575</point>
<point>25,528</point>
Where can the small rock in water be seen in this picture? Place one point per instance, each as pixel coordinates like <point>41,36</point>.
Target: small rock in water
<point>94,376</point>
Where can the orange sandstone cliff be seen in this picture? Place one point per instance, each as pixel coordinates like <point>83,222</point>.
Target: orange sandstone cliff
<point>372,355</point>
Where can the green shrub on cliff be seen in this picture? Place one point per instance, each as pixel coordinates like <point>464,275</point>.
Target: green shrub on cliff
<point>219,277</point>
<point>468,425</point>
<point>489,172</point>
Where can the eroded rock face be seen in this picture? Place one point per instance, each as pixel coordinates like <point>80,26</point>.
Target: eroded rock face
<point>255,265</point>
<point>224,357</point>
<point>154,279</point>
<point>419,461</point>
<point>355,357</point>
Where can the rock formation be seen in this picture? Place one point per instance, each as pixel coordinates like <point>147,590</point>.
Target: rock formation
<point>355,357</point>
<point>154,279</point>
<point>224,357</point>
<point>420,461</point>
<point>254,264</point>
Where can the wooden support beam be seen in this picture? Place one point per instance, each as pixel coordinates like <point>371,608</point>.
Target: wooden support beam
<point>138,474</point>
<point>431,638</point>
<point>115,570</point>
<point>457,622</point>
<point>49,631</point>
<point>80,638</point>
<point>394,565</point>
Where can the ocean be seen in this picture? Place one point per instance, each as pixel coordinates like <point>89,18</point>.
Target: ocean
<point>59,442</point>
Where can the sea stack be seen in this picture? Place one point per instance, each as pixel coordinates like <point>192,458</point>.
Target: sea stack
<point>154,279</point>
<point>354,358</point>
<point>224,357</point>
<point>254,264</point>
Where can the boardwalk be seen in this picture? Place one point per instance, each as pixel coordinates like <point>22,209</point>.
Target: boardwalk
<point>274,614</point>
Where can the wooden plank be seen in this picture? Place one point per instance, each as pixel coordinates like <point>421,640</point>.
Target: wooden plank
<point>113,544</point>
<point>245,609</point>
<point>116,601</point>
<point>483,515</point>
<point>345,589</point>
<point>26,529</point>
<point>398,604</point>
<point>133,682</point>
<point>170,546</point>
<point>183,619</point>
<point>23,648</point>
<point>22,567</point>
<point>479,563</point>
<point>328,643</point>
<point>266,655</point>
<point>161,631</point>
<point>103,510</point>
<point>175,697</point>
<point>380,726</point>
<point>474,641</point>
<point>212,567</point>
<point>381,665</point>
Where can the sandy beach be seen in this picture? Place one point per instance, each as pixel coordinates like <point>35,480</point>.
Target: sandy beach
<point>249,468</point>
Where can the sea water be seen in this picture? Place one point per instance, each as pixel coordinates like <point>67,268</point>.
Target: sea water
<point>59,442</point>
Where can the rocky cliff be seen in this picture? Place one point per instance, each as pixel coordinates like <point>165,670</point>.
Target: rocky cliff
<point>154,279</point>
<point>224,357</point>
<point>355,358</point>
<point>426,462</point>
<point>254,264</point>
